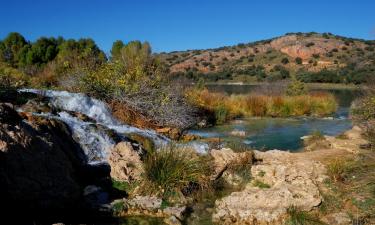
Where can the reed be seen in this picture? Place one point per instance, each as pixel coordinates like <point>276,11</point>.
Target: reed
<point>228,107</point>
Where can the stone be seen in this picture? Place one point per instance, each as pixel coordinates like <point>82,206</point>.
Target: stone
<point>226,157</point>
<point>41,166</point>
<point>150,206</point>
<point>339,218</point>
<point>172,220</point>
<point>292,181</point>
<point>125,162</point>
<point>239,133</point>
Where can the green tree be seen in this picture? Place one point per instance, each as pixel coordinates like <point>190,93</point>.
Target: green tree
<point>116,49</point>
<point>296,87</point>
<point>285,61</point>
<point>10,48</point>
<point>298,60</point>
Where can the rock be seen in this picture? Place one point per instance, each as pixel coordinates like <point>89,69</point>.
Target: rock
<point>150,206</point>
<point>8,115</point>
<point>126,164</point>
<point>340,218</point>
<point>172,220</point>
<point>40,164</point>
<point>225,157</point>
<point>292,182</point>
<point>148,203</point>
<point>189,137</point>
<point>352,143</point>
<point>239,133</point>
<point>176,211</point>
<point>36,107</point>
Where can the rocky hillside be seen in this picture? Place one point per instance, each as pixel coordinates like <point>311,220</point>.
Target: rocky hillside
<point>278,58</point>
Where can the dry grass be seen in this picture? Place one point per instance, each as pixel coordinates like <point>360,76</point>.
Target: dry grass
<point>227,107</point>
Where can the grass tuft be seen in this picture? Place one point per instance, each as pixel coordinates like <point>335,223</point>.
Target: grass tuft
<point>172,169</point>
<point>260,184</point>
<point>299,217</point>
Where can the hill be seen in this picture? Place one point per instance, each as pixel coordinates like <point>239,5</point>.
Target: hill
<point>312,57</point>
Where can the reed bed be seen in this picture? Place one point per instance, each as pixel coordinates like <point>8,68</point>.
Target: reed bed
<point>257,105</point>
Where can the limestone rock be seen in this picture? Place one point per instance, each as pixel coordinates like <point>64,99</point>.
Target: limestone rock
<point>340,218</point>
<point>151,206</point>
<point>226,157</point>
<point>126,164</point>
<point>41,167</point>
<point>292,182</point>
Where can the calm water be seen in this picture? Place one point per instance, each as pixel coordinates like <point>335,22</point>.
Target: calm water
<point>280,133</point>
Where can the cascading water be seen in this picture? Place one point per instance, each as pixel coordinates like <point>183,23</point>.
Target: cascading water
<point>94,141</point>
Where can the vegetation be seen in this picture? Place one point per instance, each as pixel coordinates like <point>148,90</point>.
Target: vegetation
<point>260,184</point>
<point>226,107</point>
<point>352,63</point>
<point>173,169</point>
<point>299,217</point>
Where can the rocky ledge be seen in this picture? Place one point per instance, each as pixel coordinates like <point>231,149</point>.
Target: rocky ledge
<point>280,180</point>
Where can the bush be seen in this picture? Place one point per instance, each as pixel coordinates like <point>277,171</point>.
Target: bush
<point>172,168</point>
<point>310,44</point>
<point>221,114</point>
<point>296,88</point>
<point>285,61</point>
<point>260,184</point>
<point>323,76</point>
<point>298,60</point>
<point>298,217</point>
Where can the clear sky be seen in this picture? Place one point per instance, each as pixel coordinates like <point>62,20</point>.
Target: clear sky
<point>185,24</point>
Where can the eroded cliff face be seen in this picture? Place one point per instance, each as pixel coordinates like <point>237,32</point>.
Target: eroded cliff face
<point>41,167</point>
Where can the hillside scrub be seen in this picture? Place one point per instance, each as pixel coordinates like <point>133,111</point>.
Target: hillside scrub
<point>226,107</point>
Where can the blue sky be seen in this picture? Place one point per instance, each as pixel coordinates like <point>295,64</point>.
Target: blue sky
<point>190,24</point>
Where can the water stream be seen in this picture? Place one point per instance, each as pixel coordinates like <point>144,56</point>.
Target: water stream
<point>92,135</point>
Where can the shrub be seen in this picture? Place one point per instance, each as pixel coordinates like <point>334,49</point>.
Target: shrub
<point>310,44</point>
<point>173,168</point>
<point>298,217</point>
<point>336,169</point>
<point>296,88</point>
<point>260,184</point>
<point>221,114</point>
<point>285,61</point>
<point>298,60</point>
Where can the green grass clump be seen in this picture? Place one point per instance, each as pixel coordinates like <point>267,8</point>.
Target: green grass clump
<point>298,217</point>
<point>260,184</point>
<point>172,168</point>
<point>124,186</point>
<point>118,207</point>
<point>342,136</point>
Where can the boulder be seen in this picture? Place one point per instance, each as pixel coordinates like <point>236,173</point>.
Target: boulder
<point>339,218</point>
<point>226,158</point>
<point>291,182</point>
<point>40,164</point>
<point>125,162</point>
<point>150,206</point>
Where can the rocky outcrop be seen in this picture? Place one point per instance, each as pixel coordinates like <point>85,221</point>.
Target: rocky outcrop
<point>41,167</point>
<point>126,164</point>
<point>150,206</point>
<point>286,182</point>
<point>349,141</point>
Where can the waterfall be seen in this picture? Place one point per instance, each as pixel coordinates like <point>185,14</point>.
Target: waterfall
<point>93,139</point>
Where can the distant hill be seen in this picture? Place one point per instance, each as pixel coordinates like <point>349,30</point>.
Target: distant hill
<point>312,57</point>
